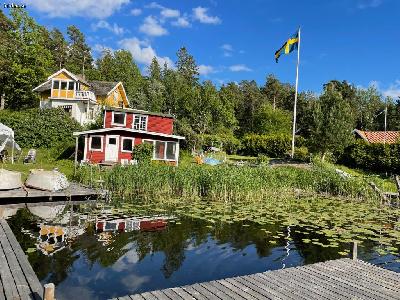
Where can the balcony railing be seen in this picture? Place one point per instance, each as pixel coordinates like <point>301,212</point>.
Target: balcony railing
<point>85,95</point>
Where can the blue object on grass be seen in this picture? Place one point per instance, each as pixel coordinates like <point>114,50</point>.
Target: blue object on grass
<point>211,161</point>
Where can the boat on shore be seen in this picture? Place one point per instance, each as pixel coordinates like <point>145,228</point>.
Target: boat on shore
<point>47,180</point>
<point>10,180</point>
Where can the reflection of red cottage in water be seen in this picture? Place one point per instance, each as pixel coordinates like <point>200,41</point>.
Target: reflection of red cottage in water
<point>126,225</point>
<point>125,128</point>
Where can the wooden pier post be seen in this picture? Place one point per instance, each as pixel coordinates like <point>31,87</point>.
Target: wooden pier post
<point>355,250</point>
<point>48,293</point>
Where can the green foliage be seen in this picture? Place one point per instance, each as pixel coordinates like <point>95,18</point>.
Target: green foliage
<point>272,121</point>
<point>301,153</point>
<point>223,183</point>
<point>228,142</point>
<point>36,128</point>
<point>373,157</point>
<point>143,153</point>
<point>79,55</point>
<point>262,159</point>
<point>332,123</point>
<point>275,145</point>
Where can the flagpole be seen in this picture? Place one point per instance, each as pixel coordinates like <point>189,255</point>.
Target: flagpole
<point>295,96</point>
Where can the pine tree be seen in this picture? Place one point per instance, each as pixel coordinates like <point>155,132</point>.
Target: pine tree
<point>59,48</point>
<point>186,67</point>
<point>79,56</point>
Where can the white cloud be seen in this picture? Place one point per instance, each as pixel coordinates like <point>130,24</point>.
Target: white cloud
<point>136,12</point>
<point>97,9</point>
<point>154,5</point>
<point>143,53</point>
<point>181,22</point>
<point>393,90</point>
<point>364,4</point>
<point>152,27</point>
<point>200,14</point>
<point>105,25</point>
<point>228,49</point>
<point>205,70</point>
<point>240,68</point>
<point>101,48</point>
<point>170,13</point>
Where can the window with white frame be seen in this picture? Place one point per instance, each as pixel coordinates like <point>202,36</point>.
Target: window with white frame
<point>163,150</point>
<point>96,143</point>
<point>118,118</point>
<point>127,144</point>
<point>139,122</point>
<point>170,152</point>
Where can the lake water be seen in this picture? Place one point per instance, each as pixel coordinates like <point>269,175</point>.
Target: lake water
<point>99,252</point>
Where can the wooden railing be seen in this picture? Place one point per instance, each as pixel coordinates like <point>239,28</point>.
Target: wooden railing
<point>85,95</point>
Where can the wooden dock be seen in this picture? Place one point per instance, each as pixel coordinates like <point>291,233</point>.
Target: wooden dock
<point>74,192</point>
<point>336,279</point>
<point>17,278</point>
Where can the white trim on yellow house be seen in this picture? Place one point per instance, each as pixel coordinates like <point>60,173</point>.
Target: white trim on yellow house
<point>73,76</point>
<point>116,86</point>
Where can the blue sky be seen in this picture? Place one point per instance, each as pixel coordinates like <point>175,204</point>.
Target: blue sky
<point>353,40</point>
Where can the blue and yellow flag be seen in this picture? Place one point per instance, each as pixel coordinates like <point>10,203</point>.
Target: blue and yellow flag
<point>291,44</point>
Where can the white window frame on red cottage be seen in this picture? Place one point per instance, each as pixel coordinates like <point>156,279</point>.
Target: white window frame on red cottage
<point>122,144</point>
<point>101,143</point>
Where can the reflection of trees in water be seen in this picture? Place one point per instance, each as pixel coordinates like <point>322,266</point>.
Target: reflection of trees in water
<point>172,242</point>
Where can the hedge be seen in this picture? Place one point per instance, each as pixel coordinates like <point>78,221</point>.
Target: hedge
<point>228,142</point>
<point>40,128</point>
<point>270,145</point>
<point>373,157</point>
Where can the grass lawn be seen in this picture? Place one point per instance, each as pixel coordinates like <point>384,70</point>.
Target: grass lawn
<point>44,160</point>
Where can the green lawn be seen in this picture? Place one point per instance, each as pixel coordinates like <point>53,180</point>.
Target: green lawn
<point>44,160</point>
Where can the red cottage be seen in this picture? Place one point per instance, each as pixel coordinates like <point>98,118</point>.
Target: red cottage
<point>125,128</point>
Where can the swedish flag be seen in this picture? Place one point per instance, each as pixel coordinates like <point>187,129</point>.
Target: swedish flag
<point>291,44</point>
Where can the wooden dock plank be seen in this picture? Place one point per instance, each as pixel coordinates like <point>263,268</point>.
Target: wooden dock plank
<point>31,278</point>
<point>16,271</point>
<point>10,288</point>
<point>362,279</point>
<point>182,293</point>
<point>338,279</point>
<point>365,289</point>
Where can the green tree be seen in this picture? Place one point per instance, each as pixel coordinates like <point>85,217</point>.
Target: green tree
<point>333,122</point>
<point>58,48</point>
<point>272,121</point>
<point>30,62</point>
<point>79,56</point>
<point>186,67</point>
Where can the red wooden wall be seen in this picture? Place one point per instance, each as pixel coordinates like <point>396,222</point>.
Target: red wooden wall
<point>154,123</point>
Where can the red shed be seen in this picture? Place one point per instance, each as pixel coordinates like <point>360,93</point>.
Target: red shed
<point>125,128</point>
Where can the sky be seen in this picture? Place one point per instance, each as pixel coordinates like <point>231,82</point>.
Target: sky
<point>234,40</point>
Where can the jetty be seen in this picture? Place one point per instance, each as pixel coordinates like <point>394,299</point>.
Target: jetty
<point>75,192</point>
<point>336,279</point>
<point>17,278</point>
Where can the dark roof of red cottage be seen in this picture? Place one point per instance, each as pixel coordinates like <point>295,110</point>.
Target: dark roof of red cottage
<point>389,137</point>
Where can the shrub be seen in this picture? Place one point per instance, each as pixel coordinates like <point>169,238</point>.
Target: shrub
<point>301,153</point>
<point>373,157</point>
<point>143,153</point>
<point>228,142</point>
<point>40,128</point>
<point>262,159</point>
<point>271,145</point>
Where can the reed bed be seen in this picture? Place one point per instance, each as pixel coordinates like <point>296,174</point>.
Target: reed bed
<point>223,183</point>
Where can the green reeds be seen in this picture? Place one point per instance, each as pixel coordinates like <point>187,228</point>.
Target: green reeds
<point>224,183</point>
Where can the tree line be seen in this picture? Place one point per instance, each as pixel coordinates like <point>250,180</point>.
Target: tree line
<point>29,53</point>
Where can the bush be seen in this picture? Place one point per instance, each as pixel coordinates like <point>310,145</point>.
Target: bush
<point>372,157</point>
<point>143,153</point>
<point>271,145</point>
<point>40,128</point>
<point>228,142</point>
<point>301,153</point>
<point>262,159</point>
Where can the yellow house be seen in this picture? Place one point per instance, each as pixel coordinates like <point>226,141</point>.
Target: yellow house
<point>80,98</point>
